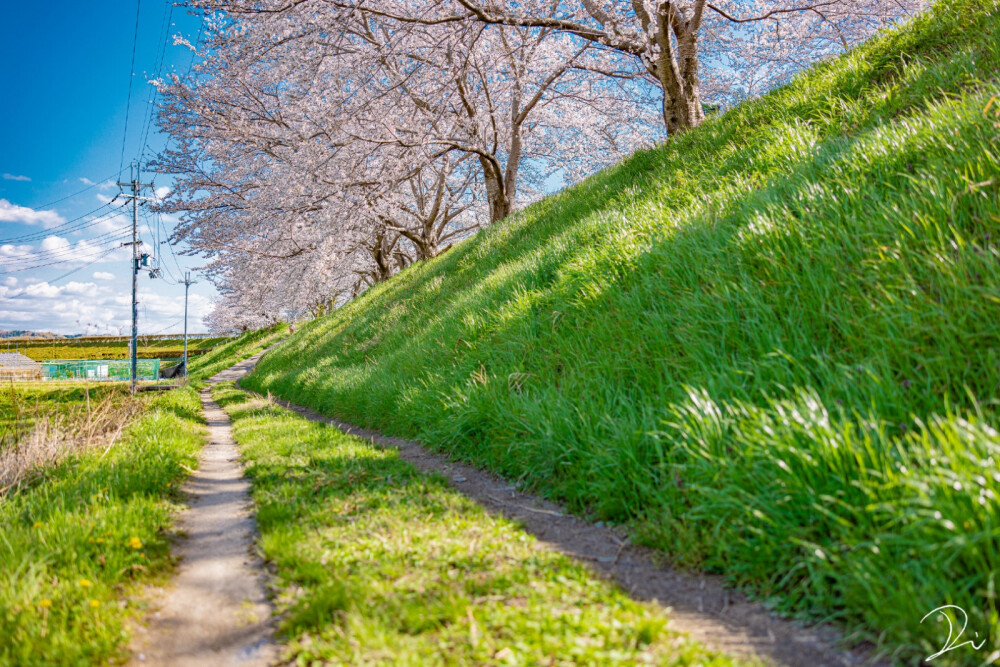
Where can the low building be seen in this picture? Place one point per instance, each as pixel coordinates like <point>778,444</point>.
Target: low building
<point>15,366</point>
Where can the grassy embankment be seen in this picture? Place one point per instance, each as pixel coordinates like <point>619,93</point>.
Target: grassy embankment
<point>377,563</point>
<point>242,347</point>
<point>770,345</point>
<point>77,536</point>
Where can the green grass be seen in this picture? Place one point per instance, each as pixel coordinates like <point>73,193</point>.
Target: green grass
<point>236,350</point>
<point>376,563</point>
<point>69,348</point>
<point>80,537</point>
<point>770,345</point>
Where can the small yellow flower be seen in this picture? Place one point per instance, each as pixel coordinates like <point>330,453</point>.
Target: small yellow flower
<point>85,583</point>
<point>45,604</point>
<point>94,604</point>
<point>38,524</point>
<point>135,543</point>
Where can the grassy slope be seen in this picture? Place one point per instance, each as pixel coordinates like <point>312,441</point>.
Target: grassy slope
<point>79,536</point>
<point>379,564</point>
<point>242,347</point>
<point>771,345</point>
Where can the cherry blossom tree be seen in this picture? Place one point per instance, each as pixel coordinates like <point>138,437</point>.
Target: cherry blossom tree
<point>523,102</point>
<point>317,151</point>
<point>673,40</point>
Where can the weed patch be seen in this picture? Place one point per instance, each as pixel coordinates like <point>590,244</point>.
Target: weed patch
<point>81,534</point>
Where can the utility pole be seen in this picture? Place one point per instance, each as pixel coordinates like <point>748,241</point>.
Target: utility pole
<point>136,187</point>
<point>187,283</point>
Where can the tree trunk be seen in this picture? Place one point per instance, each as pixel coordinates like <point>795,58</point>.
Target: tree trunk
<point>427,246</point>
<point>496,195</point>
<point>682,110</point>
<point>382,258</point>
<point>513,164</point>
<point>676,68</point>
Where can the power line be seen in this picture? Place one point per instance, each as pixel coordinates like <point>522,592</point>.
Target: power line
<point>25,293</point>
<point>63,250</point>
<point>68,254</point>
<point>66,227</point>
<point>169,244</point>
<point>169,326</point>
<point>45,251</point>
<point>131,75</point>
<point>67,250</point>
<point>99,182</point>
<point>81,268</point>
<point>151,101</point>
<point>42,252</point>
<point>52,263</point>
<point>160,264</point>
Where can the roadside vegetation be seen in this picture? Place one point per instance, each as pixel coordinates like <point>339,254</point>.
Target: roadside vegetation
<point>43,422</point>
<point>770,346</point>
<point>377,563</point>
<point>88,490</point>
<point>108,348</point>
<point>80,535</point>
<point>21,403</point>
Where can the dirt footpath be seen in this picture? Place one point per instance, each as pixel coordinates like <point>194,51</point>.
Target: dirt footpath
<point>701,606</point>
<point>214,611</point>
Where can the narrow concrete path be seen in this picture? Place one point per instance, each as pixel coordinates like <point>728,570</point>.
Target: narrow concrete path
<point>215,612</point>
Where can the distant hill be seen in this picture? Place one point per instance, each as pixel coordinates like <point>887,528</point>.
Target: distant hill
<point>25,333</point>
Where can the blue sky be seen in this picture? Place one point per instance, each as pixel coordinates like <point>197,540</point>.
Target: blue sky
<point>65,86</point>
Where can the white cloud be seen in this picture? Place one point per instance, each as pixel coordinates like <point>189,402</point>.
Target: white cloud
<point>15,177</point>
<point>63,251</point>
<point>42,290</point>
<point>15,251</point>
<point>14,213</point>
<point>106,185</point>
<point>80,289</point>
<point>161,192</point>
<point>98,301</point>
<point>55,243</point>
<point>111,221</point>
<point>87,307</point>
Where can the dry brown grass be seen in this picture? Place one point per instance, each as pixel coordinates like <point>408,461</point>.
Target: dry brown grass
<point>40,434</point>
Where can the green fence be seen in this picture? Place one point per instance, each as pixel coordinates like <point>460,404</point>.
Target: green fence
<point>100,369</point>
